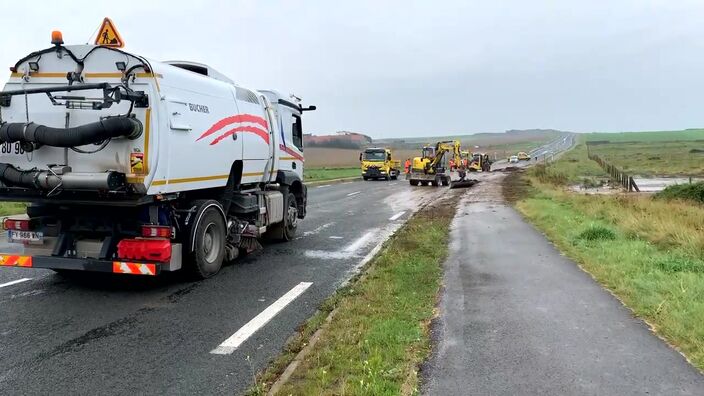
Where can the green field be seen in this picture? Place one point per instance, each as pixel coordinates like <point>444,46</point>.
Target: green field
<point>321,174</point>
<point>673,153</point>
<point>655,136</point>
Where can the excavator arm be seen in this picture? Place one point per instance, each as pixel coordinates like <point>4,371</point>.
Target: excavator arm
<point>443,148</point>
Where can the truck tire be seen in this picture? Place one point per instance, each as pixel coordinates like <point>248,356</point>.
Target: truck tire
<point>413,182</point>
<point>423,183</point>
<point>286,230</point>
<point>394,176</point>
<point>446,181</point>
<point>365,178</point>
<point>434,183</point>
<point>208,240</point>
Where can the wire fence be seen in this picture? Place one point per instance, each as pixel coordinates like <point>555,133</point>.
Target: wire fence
<point>626,181</point>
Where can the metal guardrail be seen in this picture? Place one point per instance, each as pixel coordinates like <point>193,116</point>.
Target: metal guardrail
<point>626,181</point>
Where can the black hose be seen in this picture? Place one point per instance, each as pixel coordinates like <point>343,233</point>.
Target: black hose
<point>92,133</point>
<point>14,177</point>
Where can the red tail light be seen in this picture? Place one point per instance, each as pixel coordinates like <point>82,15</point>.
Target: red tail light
<point>145,249</point>
<point>155,231</point>
<point>20,225</point>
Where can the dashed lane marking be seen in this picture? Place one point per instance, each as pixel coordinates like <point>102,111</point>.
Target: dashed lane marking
<point>323,186</point>
<point>353,193</point>
<point>231,344</point>
<point>397,215</point>
<point>335,237</point>
<point>14,282</point>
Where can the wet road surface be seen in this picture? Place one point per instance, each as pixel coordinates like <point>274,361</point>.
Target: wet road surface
<point>517,317</point>
<point>126,334</point>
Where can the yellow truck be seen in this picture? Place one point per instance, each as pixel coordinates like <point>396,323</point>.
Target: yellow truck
<point>523,156</point>
<point>378,163</point>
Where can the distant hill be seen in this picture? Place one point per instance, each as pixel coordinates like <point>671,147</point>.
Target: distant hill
<point>341,139</point>
<point>514,136</point>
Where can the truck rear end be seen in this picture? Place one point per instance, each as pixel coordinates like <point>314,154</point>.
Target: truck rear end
<point>136,167</point>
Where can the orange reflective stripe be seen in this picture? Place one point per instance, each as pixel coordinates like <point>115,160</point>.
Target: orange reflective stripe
<point>151,269</point>
<point>121,267</point>
<point>11,260</point>
<point>25,261</point>
<point>15,261</point>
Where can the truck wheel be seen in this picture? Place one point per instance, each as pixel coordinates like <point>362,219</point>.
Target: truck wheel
<point>286,230</point>
<point>387,178</point>
<point>365,178</point>
<point>434,183</point>
<point>208,240</point>
<point>395,176</point>
<point>423,183</point>
<point>446,182</point>
<point>413,182</point>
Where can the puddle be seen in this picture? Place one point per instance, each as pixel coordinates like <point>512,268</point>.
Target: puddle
<point>659,183</point>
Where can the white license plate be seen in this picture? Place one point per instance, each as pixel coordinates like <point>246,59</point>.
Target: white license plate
<point>25,236</point>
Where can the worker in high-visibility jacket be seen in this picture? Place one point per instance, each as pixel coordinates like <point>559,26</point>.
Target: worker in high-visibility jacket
<point>452,164</point>
<point>407,165</point>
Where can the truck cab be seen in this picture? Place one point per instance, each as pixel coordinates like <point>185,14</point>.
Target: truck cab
<point>377,163</point>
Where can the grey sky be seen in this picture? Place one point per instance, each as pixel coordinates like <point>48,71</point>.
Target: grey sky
<point>405,68</point>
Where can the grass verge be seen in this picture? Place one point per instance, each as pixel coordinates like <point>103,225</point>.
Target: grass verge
<point>649,253</point>
<point>12,208</point>
<point>319,174</point>
<point>379,333</point>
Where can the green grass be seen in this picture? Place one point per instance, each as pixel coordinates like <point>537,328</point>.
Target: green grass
<point>320,174</point>
<point>652,153</point>
<point>649,252</point>
<point>655,136</point>
<point>379,333</point>
<point>12,208</point>
<point>688,192</point>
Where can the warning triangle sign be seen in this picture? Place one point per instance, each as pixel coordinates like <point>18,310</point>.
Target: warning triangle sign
<point>108,35</point>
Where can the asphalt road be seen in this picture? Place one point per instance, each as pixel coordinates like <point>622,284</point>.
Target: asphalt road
<point>133,335</point>
<point>547,152</point>
<point>517,317</point>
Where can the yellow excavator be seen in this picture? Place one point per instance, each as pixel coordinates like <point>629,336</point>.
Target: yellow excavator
<point>433,166</point>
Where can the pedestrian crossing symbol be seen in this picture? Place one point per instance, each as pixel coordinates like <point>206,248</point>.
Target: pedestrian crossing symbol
<point>108,35</point>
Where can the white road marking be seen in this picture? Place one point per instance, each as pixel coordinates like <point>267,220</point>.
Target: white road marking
<point>397,215</point>
<point>323,186</point>
<point>353,193</point>
<point>360,242</point>
<point>335,237</point>
<point>14,282</point>
<point>231,344</point>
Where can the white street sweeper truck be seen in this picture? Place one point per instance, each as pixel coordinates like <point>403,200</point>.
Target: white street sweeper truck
<point>136,167</point>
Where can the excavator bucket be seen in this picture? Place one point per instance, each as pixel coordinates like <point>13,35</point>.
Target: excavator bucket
<point>463,183</point>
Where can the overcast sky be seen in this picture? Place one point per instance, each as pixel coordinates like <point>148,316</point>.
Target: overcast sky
<point>407,68</point>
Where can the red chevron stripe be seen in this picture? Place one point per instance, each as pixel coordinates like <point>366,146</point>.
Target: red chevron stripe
<point>256,130</point>
<point>234,119</point>
<point>291,152</point>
